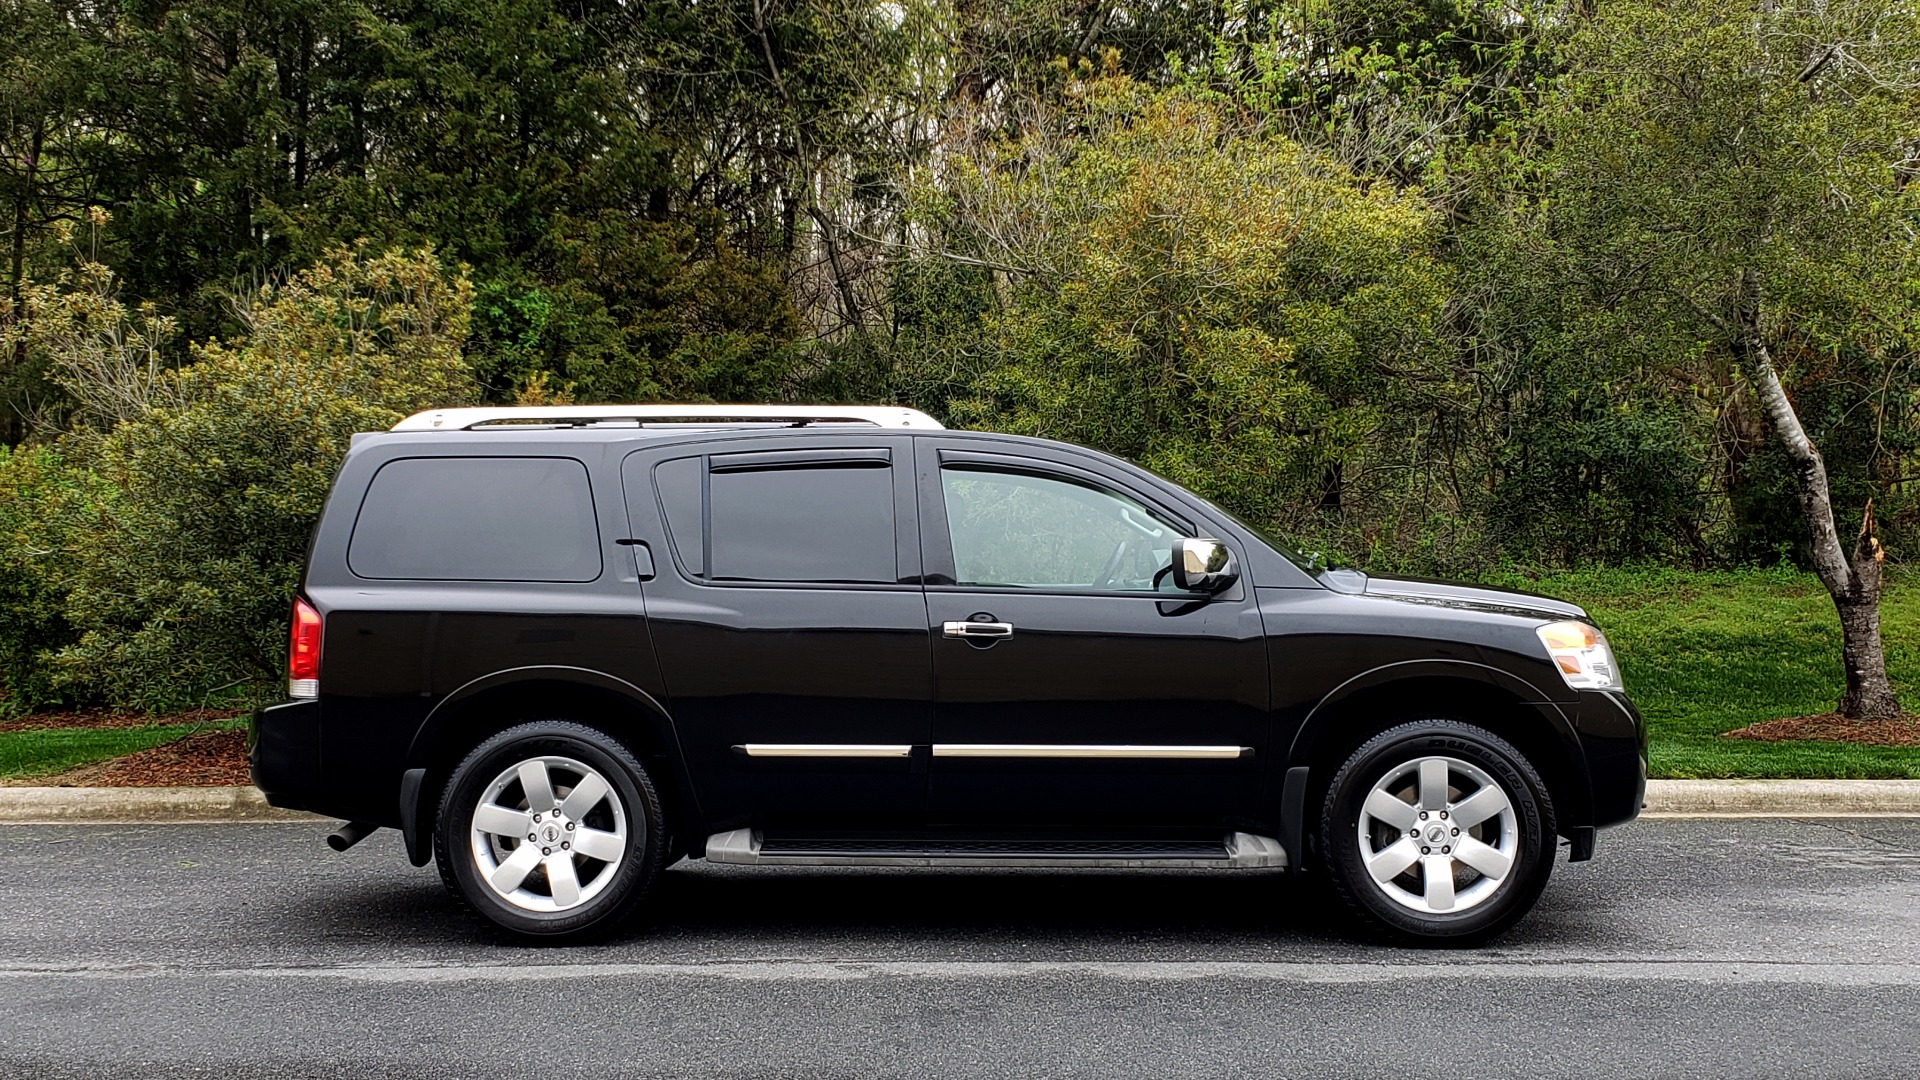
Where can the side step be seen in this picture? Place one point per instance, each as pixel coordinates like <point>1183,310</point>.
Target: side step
<point>1237,851</point>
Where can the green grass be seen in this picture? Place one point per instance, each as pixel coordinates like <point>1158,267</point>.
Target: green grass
<point>1705,653</point>
<point>52,750</point>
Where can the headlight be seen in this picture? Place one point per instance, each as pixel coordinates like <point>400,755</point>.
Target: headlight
<point>1580,652</point>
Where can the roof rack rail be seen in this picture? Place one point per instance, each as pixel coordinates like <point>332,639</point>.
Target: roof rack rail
<point>891,416</point>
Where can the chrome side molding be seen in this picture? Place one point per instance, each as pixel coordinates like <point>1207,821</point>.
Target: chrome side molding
<point>992,750</point>
<point>826,750</point>
<point>1083,750</point>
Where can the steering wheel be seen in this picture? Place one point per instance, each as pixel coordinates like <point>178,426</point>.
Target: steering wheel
<point>1119,556</point>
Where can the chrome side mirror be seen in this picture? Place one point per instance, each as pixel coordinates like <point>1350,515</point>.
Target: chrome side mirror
<point>1203,566</point>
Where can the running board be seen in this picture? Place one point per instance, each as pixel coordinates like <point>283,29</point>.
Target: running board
<point>1238,851</point>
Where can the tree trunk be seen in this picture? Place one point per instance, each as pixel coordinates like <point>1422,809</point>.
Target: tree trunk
<point>12,428</point>
<point>1854,582</point>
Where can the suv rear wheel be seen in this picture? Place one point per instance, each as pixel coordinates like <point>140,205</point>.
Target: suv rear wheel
<point>550,829</point>
<point>1438,831</point>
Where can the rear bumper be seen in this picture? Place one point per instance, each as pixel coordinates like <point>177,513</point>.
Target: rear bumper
<point>283,752</point>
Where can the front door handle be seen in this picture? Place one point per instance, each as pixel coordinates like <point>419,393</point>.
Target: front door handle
<point>977,629</point>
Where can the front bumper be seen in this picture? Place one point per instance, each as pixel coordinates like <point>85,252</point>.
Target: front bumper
<point>283,753</point>
<point>1614,739</point>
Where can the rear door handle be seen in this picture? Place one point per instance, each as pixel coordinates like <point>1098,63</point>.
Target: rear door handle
<point>977,629</point>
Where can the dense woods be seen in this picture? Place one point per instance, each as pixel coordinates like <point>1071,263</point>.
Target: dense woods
<point>1429,285</point>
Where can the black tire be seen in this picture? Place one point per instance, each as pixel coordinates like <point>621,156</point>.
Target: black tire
<point>626,879</point>
<point>1497,903</point>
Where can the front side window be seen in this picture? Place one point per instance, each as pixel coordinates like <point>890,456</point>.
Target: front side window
<point>477,519</point>
<point>1016,530</point>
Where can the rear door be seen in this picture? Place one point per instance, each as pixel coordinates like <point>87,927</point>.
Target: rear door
<point>790,625</point>
<point>1072,684</point>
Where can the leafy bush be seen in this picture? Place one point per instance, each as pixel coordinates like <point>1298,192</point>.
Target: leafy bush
<point>181,563</point>
<point>37,491</point>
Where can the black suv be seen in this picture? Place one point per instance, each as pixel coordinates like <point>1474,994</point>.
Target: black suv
<point>561,648</point>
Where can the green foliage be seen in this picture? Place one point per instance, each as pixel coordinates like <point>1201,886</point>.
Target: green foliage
<point>1596,445</point>
<point>1217,303</point>
<point>1394,88</point>
<point>37,494</point>
<point>1717,165</point>
<point>178,565</point>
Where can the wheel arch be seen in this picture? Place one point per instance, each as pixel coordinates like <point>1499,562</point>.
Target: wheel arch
<point>1479,694</point>
<point>492,703</point>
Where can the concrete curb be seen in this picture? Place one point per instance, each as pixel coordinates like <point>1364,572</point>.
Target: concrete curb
<point>1782,798</point>
<point>1665,799</point>
<point>127,805</point>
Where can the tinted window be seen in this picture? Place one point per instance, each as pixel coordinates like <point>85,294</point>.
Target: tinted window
<point>678,482</point>
<point>806,523</point>
<point>477,519</point>
<point>1012,529</point>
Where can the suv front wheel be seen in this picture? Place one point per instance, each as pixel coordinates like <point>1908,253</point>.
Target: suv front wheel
<point>1438,831</point>
<point>550,829</point>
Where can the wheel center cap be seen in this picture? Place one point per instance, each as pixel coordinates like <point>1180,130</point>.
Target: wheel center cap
<point>549,833</point>
<point>1436,834</point>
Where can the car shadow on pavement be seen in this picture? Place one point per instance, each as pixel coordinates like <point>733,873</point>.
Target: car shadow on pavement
<point>972,905</point>
<point>945,913</point>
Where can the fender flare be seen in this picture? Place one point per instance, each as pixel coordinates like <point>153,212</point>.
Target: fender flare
<point>438,717</point>
<point>420,752</point>
<point>1307,735</point>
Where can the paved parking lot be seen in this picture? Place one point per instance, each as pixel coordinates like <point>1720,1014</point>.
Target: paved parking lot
<point>1688,948</point>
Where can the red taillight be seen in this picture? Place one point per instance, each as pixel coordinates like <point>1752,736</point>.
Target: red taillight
<point>303,653</point>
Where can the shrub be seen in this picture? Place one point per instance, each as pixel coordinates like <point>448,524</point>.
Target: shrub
<point>183,564</point>
<point>37,493</point>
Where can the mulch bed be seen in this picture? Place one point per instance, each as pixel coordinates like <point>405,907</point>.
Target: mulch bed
<point>1832,727</point>
<point>114,718</point>
<point>209,759</point>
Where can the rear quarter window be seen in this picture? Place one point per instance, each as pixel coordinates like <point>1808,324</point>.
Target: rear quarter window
<point>477,519</point>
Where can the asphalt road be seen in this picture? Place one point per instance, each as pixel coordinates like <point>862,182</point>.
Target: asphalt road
<point>1688,948</point>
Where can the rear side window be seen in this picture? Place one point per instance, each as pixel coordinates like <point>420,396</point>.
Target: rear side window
<point>477,519</point>
<point>678,482</point>
<point>806,517</point>
<point>803,524</point>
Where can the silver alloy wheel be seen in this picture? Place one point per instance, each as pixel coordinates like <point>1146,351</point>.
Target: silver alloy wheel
<point>1438,835</point>
<point>548,834</point>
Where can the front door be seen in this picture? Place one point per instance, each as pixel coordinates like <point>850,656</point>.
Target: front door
<point>1073,685</point>
<point>791,631</point>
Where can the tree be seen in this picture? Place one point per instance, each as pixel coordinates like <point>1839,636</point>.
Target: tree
<point>1737,174</point>
<point>1196,293</point>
